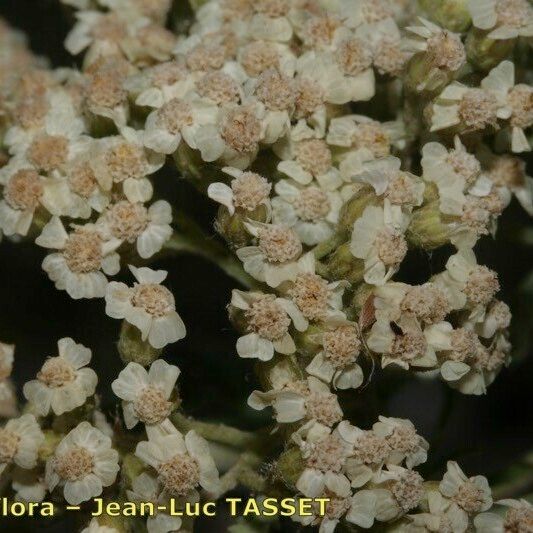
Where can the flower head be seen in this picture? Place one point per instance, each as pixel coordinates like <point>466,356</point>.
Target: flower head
<point>183,464</point>
<point>83,258</point>
<point>267,322</point>
<point>145,394</point>
<point>20,440</point>
<point>63,383</point>
<point>83,464</point>
<point>148,306</point>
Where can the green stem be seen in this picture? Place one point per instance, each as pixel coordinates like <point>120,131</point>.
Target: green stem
<point>189,238</point>
<point>243,472</point>
<point>220,433</point>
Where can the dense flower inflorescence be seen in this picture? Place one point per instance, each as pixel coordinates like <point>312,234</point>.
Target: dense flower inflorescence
<point>319,206</point>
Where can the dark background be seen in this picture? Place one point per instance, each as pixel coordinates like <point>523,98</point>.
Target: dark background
<point>488,435</point>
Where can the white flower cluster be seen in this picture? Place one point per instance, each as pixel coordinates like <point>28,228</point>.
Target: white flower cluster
<point>336,136</point>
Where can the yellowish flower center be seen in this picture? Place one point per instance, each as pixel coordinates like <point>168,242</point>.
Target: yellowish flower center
<point>9,443</point>
<point>250,190</point>
<point>267,318</point>
<point>156,300</point>
<point>279,244</point>
<point>179,475</point>
<point>56,372</point>
<point>24,190</point>
<point>83,251</point>
<point>74,465</point>
<point>152,406</point>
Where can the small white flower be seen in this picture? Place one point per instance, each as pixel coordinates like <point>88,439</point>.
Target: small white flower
<point>105,94</point>
<point>183,464</point>
<point>247,191</point>
<point>317,299</point>
<point>145,394</point>
<point>148,306</point>
<point>404,490</point>
<point>310,210</point>
<point>234,139</point>
<point>258,56</point>
<point>270,21</point>
<point>176,120</point>
<point>8,397</point>
<point>148,42</point>
<point>496,319</point>
<point>54,114</point>
<point>400,188</point>
<point>468,496</point>
<point>102,32</point>
<point>275,257</point>
<point>276,93</point>
<point>159,84</point>
<point>508,175</point>
<point>20,440</point>
<point>378,238</point>
<point>441,51</point>
<point>440,514</point>
<point>85,193</point>
<point>468,109</point>
<point>308,158</point>
<point>336,363</point>
<point>84,257</point>
<point>405,443</point>
<point>358,133</point>
<point>124,161</point>
<point>426,302</point>
<point>517,99</point>
<point>369,452</point>
<point>148,227</point>
<point>25,193</point>
<point>7,356</point>
<point>334,74</point>
<point>83,464</point>
<point>406,344</point>
<point>145,488</point>
<point>454,172</point>
<point>519,516</point>
<point>63,383</point>
<point>364,12</point>
<point>363,508</point>
<point>468,365</point>
<point>467,284</point>
<point>268,320</point>
<point>336,508</point>
<point>324,452</point>
<point>309,400</point>
<point>507,19</point>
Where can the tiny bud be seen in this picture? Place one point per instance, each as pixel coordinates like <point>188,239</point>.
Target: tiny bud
<point>231,227</point>
<point>289,467</point>
<point>485,53</point>
<point>427,229</point>
<point>277,371</point>
<point>51,440</point>
<point>341,264</point>
<point>133,349</point>
<point>132,467</point>
<point>308,341</point>
<point>353,209</point>
<point>193,168</point>
<point>450,14</point>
